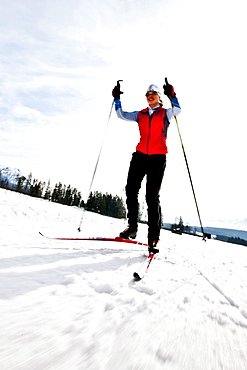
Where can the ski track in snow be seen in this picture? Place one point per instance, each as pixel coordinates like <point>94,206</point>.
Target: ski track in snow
<point>74,305</point>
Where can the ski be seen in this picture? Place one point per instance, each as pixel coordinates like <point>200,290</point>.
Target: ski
<point>146,264</point>
<point>100,238</point>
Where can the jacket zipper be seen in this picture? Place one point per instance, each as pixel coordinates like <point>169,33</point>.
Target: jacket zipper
<point>149,127</point>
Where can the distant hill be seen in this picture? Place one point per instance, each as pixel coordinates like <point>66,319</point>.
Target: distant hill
<point>10,177</point>
<point>221,233</point>
<point>226,232</point>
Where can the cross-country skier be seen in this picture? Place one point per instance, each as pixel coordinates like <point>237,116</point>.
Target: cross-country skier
<point>149,158</point>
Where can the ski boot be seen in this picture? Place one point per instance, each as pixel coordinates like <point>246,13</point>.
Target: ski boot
<point>128,233</point>
<point>152,247</point>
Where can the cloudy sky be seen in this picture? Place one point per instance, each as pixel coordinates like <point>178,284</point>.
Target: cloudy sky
<point>60,60</point>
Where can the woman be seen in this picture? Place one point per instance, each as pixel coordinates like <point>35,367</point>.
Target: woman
<point>149,158</point>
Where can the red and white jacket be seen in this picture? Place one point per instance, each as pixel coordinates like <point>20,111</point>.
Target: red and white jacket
<point>153,125</point>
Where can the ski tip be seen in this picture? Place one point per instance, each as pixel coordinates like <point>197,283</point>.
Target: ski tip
<point>137,276</point>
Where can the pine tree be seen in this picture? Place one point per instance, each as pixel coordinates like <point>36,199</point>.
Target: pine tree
<point>59,192</point>
<point>54,196</point>
<point>19,185</point>
<point>48,191</point>
<point>68,196</point>
<point>28,182</point>
<point>76,198</point>
<point>37,188</point>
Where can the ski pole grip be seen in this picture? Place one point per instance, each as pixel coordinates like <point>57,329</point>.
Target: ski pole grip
<point>166,81</point>
<point>118,86</point>
<point>118,83</point>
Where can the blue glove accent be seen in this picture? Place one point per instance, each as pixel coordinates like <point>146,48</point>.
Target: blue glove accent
<point>117,104</point>
<point>175,102</point>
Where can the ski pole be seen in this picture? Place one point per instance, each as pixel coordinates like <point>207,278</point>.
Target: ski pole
<point>97,162</point>
<point>187,165</point>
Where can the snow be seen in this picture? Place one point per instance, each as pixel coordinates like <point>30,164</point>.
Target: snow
<point>74,305</point>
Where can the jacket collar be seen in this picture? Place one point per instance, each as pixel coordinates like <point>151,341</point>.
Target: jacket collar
<point>151,110</point>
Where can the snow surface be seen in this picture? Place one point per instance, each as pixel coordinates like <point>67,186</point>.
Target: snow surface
<point>70,305</point>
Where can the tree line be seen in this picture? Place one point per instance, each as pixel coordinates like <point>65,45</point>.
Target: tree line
<point>104,204</point>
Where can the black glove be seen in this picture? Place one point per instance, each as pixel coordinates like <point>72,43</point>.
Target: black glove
<point>116,92</point>
<point>169,90</point>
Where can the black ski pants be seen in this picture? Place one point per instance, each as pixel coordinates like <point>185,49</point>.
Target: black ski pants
<point>153,166</point>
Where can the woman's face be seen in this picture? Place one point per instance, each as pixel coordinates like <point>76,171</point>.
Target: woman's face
<point>153,98</point>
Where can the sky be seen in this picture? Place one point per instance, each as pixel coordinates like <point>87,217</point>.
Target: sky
<point>61,59</point>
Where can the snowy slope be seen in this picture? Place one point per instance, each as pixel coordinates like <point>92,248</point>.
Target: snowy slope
<point>74,305</point>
